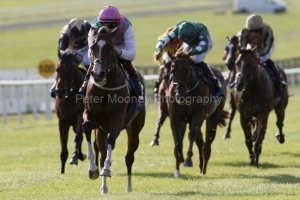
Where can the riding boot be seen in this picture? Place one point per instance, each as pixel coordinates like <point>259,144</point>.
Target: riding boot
<point>276,71</point>
<point>156,85</point>
<point>85,82</point>
<point>134,75</point>
<point>52,90</point>
<point>86,78</point>
<point>217,83</point>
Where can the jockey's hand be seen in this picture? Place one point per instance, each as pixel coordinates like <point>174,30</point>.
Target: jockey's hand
<point>157,55</point>
<point>94,31</point>
<point>117,50</point>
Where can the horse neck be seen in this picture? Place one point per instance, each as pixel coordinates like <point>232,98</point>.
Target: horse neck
<point>116,76</point>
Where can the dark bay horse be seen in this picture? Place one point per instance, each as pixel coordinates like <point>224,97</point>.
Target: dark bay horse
<point>190,101</point>
<point>107,101</point>
<point>69,105</point>
<point>255,98</point>
<point>162,110</point>
<point>231,50</point>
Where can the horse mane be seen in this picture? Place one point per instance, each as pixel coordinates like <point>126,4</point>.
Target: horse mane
<point>103,30</point>
<point>249,52</point>
<point>184,55</point>
<point>67,54</point>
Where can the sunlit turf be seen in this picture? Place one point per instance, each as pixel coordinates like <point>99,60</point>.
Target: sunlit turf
<point>30,164</point>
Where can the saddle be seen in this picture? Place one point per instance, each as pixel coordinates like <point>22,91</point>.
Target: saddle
<point>135,105</point>
<point>276,82</point>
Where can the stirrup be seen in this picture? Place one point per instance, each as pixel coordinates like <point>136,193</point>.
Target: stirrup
<point>282,83</point>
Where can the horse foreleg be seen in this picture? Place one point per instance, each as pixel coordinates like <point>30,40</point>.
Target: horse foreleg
<point>77,154</point>
<point>280,114</point>
<point>262,121</point>
<point>232,113</point>
<point>64,132</point>
<point>210,134</point>
<point>177,137</point>
<point>200,144</point>
<point>188,161</point>
<point>246,126</point>
<point>93,169</point>
<point>132,146</point>
<point>107,163</point>
<point>162,115</point>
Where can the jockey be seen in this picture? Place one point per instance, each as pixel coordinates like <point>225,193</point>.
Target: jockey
<point>171,47</point>
<point>125,44</point>
<point>74,36</point>
<point>256,32</point>
<point>196,42</point>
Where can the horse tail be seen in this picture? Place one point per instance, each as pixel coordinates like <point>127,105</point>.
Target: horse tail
<point>223,119</point>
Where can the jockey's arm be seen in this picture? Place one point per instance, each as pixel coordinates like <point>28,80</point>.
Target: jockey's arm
<point>268,42</point>
<point>128,49</point>
<point>63,42</point>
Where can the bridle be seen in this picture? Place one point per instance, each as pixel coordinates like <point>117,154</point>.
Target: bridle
<point>253,70</point>
<point>73,80</point>
<point>189,77</point>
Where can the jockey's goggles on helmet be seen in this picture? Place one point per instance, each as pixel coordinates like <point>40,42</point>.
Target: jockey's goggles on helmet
<point>255,30</point>
<point>110,25</point>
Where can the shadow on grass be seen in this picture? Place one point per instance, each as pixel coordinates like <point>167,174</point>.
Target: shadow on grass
<point>164,175</point>
<point>262,165</point>
<point>277,178</point>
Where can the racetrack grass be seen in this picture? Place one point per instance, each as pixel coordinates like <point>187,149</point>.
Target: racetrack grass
<point>25,48</point>
<point>30,165</point>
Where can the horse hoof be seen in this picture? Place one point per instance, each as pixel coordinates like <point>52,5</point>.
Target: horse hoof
<point>226,136</point>
<point>93,174</point>
<point>188,163</point>
<point>82,157</point>
<point>176,174</point>
<point>280,139</point>
<point>104,190</point>
<point>74,160</point>
<point>154,143</point>
<point>105,172</point>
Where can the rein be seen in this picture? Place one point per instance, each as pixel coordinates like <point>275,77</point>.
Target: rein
<point>107,88</point>
<point>254,69</point>
<point>198,82</point>
<point>72,84</point>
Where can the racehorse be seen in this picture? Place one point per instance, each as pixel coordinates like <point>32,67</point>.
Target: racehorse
<point>190,101</point>
<point>106,108</point>
<point>255,98</point>
<point>232,53</point>
<point>69,105</point>
<point>231,50</point>
<point>163,112</point>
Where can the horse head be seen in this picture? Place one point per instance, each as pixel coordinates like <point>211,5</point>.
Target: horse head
<point>231,50</point>
<point>182,75</point>
<point>246,67</point>
<point>104,56</point>
<point>66,71</point>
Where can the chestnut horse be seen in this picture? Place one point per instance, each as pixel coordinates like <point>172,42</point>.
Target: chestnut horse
<point>190,101</point>
<point>69,105</point>
<point>255,98</point>
<point>106,106</point>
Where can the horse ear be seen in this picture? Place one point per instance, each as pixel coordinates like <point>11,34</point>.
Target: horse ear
<point>114,32</point>
<point>171,56</point>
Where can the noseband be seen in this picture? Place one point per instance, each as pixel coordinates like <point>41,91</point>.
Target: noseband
<point>189,78</point>
<point>72,84</point>
<point>253,70</point>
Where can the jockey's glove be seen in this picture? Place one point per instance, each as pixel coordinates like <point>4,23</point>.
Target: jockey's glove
<point>159,46</point>
<point>117,50</point>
